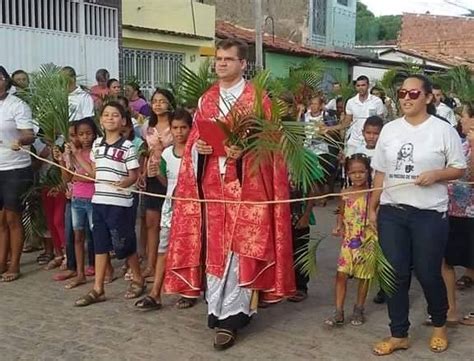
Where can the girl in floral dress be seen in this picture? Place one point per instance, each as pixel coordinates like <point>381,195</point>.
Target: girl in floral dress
<point>358,240</point>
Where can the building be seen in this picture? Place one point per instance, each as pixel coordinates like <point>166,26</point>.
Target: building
<point>84,34</point>
<point>280,54</point>
<point>158,36</point>
<point>319,23</point>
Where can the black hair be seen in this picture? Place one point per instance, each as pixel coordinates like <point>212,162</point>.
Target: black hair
<point>115,104</point>
<point>437,87</point>
<point>20,71</point>
<point>124,99</point>
<point>7,77</point>
<point>242,46</point>
<point>87,121</point>
<point>363,78</point>
<point>102,74</point>
<point>427,87</point>
<point>171,101</point>
<point>381,91</point>
<point>129,124</point>
<point>361,158</point>
<point>111,81</point>
<point>182,114</point>
<point>69,70</point>
<point>373,121</point>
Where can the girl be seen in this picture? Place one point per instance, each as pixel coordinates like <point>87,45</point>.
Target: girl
<point>82,192</point>
<point>168,175</point>
<point>137,102</point>
<point>114,87</point>
<point>411,221</point>
<point>157,135</point>
<point>357,240</point>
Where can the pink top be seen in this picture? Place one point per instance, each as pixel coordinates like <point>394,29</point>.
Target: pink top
<point>153,138</point>
<point>82,189</point>
<point>137,104</point>
<point>99,93</point>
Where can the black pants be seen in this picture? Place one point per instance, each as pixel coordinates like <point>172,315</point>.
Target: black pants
<point>411,237</point>
<point>301,279</point>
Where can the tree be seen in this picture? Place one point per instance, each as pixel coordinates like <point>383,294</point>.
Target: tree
<point>371,29</point>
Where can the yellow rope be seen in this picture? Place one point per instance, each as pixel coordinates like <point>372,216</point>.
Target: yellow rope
<point>293,200</point>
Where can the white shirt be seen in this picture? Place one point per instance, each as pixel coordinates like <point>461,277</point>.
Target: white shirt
<point>171,163</point>
<point>332,105</point>
<point>81,105</point>
<point>405,151</point>
<point>364,150</point>
<point>15,115</point>
<point>112,163</point>
<point>447,113</point>
<point>360,111</point>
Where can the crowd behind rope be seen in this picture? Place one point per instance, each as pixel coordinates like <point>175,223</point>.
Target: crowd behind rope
<point>143,144</point>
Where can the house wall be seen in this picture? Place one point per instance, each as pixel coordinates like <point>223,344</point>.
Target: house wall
<point>290,17</point>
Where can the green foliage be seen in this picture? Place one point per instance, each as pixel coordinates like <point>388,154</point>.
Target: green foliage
<point>306,256</point>
<point>48,100</point>
<point>192,85</point>
<point>371,29</point>
<point>459,80</point>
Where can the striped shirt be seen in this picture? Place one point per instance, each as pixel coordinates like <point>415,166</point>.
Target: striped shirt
<point>112,163</point>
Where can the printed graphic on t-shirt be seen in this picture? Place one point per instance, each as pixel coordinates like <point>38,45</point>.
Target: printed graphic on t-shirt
<point>405,158</point>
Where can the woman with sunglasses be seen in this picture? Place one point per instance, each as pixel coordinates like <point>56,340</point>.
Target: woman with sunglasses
<point>412,220</point>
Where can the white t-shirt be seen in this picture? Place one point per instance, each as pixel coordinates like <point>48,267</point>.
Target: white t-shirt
<point>81,105</point>
<point>364,150</point>
<point>112,163</point>
<point>405,151</point>
<point>15,115</point>
<point>360,112</point>
<point>332,105</point>
<point>447,113</point>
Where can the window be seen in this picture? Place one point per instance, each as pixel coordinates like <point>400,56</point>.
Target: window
<point>319,17</point>
<point>343,2</point>
<point>151,69</point>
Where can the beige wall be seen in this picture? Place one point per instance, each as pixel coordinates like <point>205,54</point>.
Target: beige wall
<point>173,15</point>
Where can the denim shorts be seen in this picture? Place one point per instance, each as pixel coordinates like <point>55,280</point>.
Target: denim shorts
<point>81,212</point>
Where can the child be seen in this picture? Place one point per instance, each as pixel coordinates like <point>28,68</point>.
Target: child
<point>114,161</point>
<point>371,132</point>
<point>357,236</point>
<point>82,192</point>
<point>180,126</point>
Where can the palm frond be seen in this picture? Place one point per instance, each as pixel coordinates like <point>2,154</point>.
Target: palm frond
<point>306,255</point>
<point>192,85</point>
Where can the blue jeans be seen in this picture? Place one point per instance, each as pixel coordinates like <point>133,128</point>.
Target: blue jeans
<point>70,252</point>
<point>416,239</point>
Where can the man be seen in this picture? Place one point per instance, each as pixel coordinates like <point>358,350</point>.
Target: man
<point>442,109</point>
<point>358,109</point>
<point>247,248</point>
<point>81,104</point>
<point>336,92</point>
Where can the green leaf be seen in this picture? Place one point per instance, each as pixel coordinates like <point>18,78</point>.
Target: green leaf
<point>306,255</point>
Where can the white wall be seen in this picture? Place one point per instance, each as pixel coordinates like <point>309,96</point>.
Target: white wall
<point>28,48</point>
<point>373,74</point>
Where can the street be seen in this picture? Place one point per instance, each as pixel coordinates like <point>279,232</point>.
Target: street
<point>38,322</point>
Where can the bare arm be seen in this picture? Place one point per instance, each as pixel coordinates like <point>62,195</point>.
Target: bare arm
<point>375,198</point>
<point>129,180</point>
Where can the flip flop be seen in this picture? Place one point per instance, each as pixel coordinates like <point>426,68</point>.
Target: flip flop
<point>10,277</point>
<point>468,320</point>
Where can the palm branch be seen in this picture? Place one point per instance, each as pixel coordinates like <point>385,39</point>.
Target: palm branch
<point>306,257</point>
<point>48,100</point>
<point>192,85</point>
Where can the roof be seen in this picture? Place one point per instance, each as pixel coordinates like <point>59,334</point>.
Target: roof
<point>447,39</point>
<point>166,32</point>
<point>225,29</point>
<point>435,58</point>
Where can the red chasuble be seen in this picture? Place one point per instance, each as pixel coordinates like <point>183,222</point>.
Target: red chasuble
<point>203,236</point>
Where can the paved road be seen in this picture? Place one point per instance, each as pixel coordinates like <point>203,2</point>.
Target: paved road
<point>38,322</point>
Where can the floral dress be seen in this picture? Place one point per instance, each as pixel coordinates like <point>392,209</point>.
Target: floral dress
<point>461,195</point>
<point>358,243</point>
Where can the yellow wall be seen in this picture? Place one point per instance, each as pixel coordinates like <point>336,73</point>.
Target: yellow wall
<point>174,15</point>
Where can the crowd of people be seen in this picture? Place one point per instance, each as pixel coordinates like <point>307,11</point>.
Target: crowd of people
<point>242,255</point>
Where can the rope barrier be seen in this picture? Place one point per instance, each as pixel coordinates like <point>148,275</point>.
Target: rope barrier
<point>280,201</point>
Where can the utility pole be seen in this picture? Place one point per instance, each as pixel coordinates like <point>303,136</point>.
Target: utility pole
<point>258,35</point>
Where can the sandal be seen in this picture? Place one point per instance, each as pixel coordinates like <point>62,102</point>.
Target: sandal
<point>388,346</point>
<point>438,344</point>
<point>147,303</point>
<point>185,302</point>
<point>63,266</point>
<point>429,322</point>
<point>90,271</point>
<point>54,263</point>
<point>63,276</point>
<point>336,320</point>
<point>468,320</point>
<point>135,290</point>
<point>76,282</point>
<point>464,282</point>
<point>92,297</point>
<point>9,277</point>
<point>299,296</point>
<point>224,339</point>
<point>358,318</point>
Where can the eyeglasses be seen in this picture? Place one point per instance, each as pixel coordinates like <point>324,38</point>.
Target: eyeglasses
<point>413,94</point>
<point>226,60</point>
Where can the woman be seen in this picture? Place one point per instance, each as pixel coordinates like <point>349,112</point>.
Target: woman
<point>100,91</point>
<point>460,249</point>
<point>412,221</point>
<point>114,88</point>
<point>157,135</point>
<point>16,176</point>
<point>138,104</point>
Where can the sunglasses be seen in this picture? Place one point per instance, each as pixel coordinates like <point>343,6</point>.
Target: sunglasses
<point>412,94</point>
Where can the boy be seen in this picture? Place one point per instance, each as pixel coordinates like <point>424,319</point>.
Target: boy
<point>114,161</point>
<point>371,132</point>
